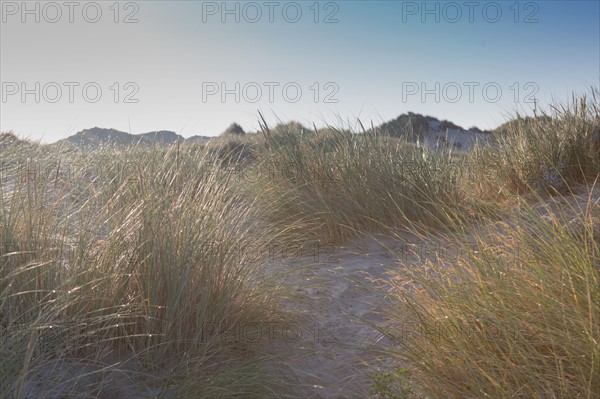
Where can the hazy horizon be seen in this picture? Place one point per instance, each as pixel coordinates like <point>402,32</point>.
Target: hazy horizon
<point>196,67</point>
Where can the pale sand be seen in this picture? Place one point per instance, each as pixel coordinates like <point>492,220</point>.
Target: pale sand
<point>349,294</point>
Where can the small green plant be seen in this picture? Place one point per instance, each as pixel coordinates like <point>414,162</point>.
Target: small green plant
<point>393,384</point>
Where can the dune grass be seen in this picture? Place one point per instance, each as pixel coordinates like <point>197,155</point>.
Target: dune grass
<point>548,153</point>
<point>144,256</point>
<point>134,265</point>
<point>512,307</point>
<point>335,184</point>
<point>513,314</point>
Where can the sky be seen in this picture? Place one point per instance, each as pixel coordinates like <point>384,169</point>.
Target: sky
<point>194,67</point>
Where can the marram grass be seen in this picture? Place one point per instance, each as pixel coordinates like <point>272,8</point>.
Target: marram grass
<point>126,265</point>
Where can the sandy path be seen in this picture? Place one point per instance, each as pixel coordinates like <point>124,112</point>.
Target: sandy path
<point>339,296</point>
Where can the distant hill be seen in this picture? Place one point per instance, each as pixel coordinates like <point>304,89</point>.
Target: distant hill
<point>95,137</point>
<point>407,125</point>
<point>160,137</point>
<point>438,134</point>
<point>433,132</point>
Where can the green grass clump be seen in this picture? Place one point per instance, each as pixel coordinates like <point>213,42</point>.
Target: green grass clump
<point>515,314</point>
<point>151,262</point>
<point>548,153</point>
<point>514,309</point>
<point>393,384</point>
<point>336,184</point>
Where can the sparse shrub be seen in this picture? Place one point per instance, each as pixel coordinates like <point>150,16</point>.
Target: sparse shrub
<point>234,129</point>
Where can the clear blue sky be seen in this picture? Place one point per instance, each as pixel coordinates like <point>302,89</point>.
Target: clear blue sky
<point>470,62</point>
